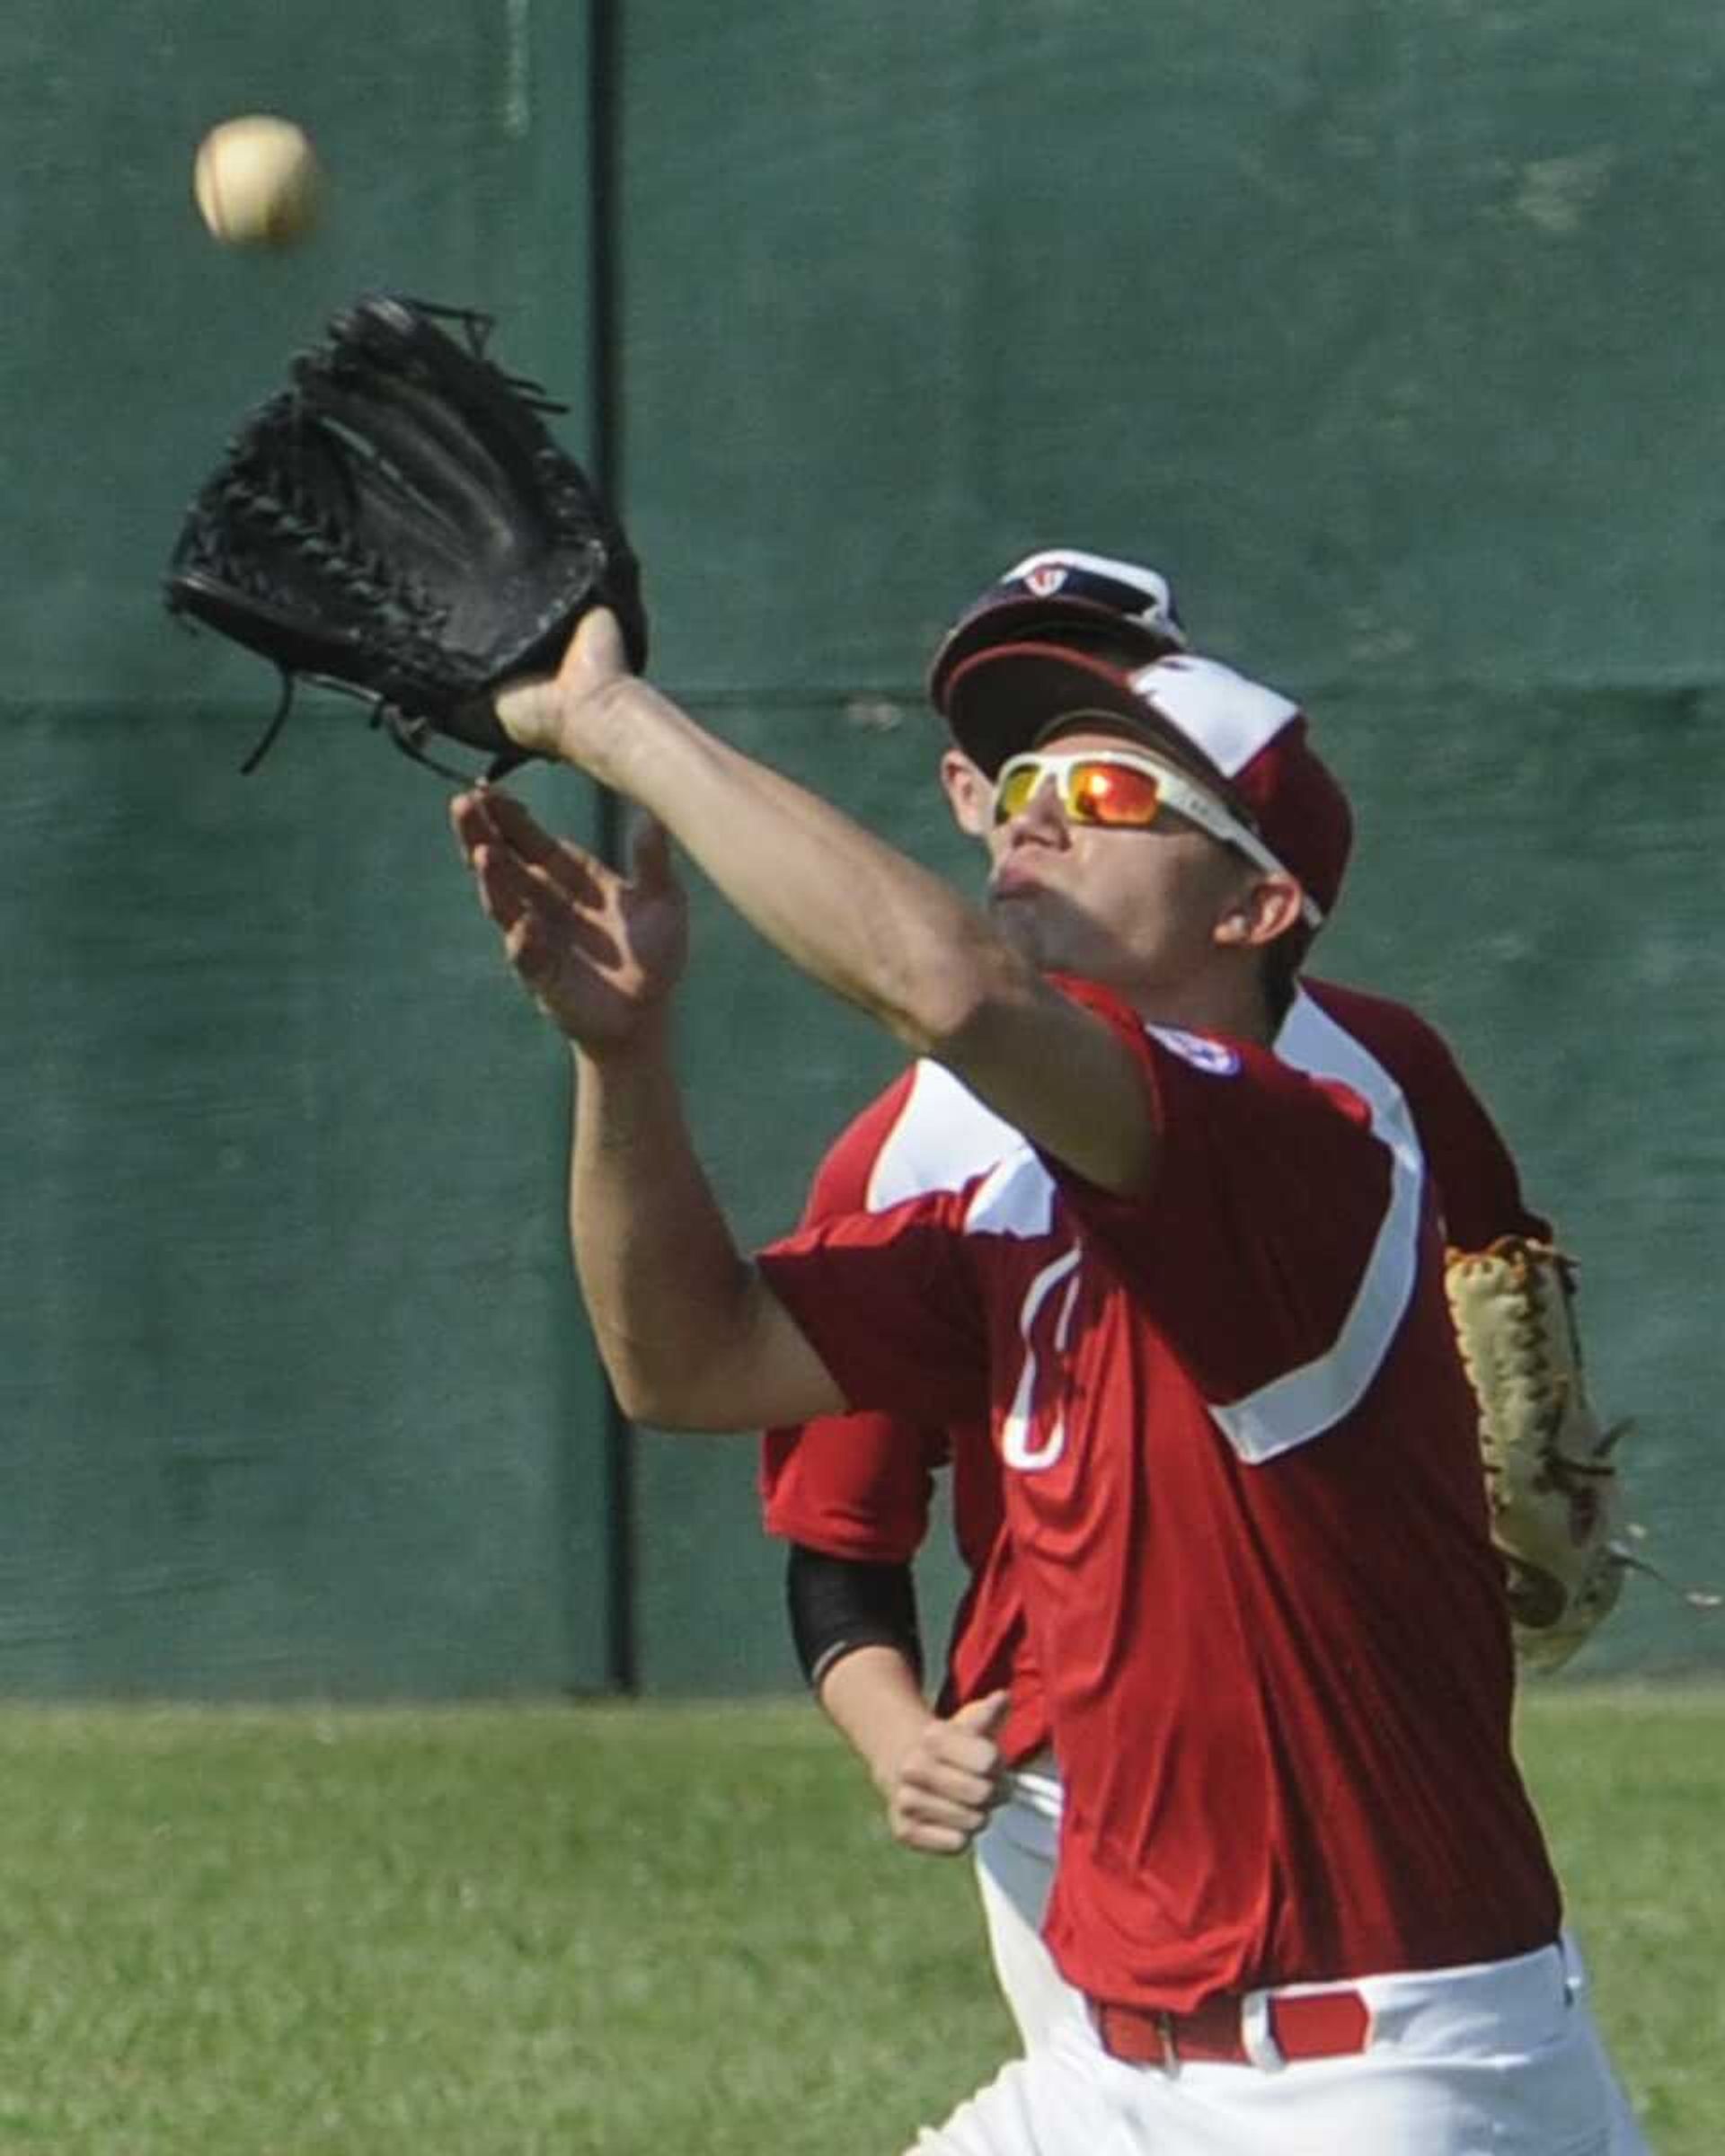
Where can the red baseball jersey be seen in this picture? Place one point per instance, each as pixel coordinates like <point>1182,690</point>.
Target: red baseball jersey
<point>861,1486</point>
<point>1243,1488</point>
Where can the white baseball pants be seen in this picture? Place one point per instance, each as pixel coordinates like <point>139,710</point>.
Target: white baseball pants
<point>1015,1859</point>
<point>1498,2060</point>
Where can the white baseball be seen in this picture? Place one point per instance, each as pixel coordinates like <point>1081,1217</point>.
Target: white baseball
<point>258,182</point>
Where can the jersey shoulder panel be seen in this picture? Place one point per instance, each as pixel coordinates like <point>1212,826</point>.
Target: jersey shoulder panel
<point>1317,1038</point>
<point>840,1183</point>
<point>1472,1170</point>
<point>1396,1033</point>
<point>940,1138</point>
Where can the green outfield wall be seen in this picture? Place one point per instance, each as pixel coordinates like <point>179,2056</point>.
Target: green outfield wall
<point>1387,329</point>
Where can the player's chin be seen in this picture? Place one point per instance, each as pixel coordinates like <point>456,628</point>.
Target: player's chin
<point>1046,931</point>
<point>1020,921</point>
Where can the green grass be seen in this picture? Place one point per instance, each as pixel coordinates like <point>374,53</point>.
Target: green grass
<point>618,1932</point>
<point>1630,1785</point>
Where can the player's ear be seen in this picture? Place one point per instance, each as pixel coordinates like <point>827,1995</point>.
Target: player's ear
<point>969,793</point>
<point>1264,906</point>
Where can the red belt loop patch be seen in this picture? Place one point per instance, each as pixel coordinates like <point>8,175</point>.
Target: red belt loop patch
<point>1319,2024</point>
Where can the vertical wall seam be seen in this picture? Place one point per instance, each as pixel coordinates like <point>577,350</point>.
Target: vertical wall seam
<point>621,1658</point>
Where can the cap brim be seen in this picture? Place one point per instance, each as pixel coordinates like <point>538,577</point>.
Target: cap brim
<point>1004,698</point>
<point>1025,621</point>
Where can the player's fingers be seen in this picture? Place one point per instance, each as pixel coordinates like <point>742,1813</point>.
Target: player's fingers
<point>571,877</point>
<point>501,883</point>
<point>471,820</point>
<point>491,851</point>
<point>945,1751</point>
<point>983,1790</point>
<point>955,1751</point>
<point>932,1841</point>
<point>945,1829</point>
<point>938,1787</point>
<point>946,1784</point>
<point>552,930</point>
<point>507,887</point>
<point>963,1748</point>
<point>517,823</point>
<point>532,952</point>
<point>517,827</point>
<point>562,862</point>
<point>987,1715</point>
<point>565,889</point>
<point>931,1809</point>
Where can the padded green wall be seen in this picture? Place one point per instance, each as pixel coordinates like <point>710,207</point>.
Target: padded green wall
<point>1387,329</point>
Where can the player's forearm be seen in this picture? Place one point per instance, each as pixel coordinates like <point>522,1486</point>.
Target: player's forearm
<point>940,1778</point>
<point>868,924</point>
<point>680,1317</point>
<point>873,1699</point>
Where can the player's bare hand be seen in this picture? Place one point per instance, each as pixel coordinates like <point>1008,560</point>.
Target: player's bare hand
<point>940,1792</point>
<point>598,951</point>
<point>582,714</point>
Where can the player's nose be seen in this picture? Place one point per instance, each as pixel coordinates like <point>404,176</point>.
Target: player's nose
<point>1041,818</point>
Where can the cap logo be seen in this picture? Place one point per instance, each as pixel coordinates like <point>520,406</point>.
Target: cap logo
<point>1046,579</point>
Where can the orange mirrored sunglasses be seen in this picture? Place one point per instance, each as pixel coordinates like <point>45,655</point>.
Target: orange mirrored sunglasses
<point>1119,789</point>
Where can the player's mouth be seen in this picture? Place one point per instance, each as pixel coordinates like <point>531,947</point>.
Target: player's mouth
<point>1013,880</point>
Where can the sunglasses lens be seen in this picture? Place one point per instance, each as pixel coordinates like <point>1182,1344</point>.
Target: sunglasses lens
<point>1111,793</point>
<point>1014,793</point>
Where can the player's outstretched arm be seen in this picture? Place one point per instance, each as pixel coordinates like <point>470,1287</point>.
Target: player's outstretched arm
<point>690,1332</point>
<point>874,927</point>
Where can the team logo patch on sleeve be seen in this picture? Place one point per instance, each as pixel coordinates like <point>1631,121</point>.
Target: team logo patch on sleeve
<point>1213,1057</point>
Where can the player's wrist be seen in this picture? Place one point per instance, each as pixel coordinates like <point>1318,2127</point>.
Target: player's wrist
<point>633,1043</point>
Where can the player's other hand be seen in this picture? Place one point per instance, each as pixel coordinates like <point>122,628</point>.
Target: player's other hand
<point>598,951</point>
<point>950,1777</point>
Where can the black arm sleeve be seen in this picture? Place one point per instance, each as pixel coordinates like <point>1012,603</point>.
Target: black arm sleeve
<point>839,1604</point>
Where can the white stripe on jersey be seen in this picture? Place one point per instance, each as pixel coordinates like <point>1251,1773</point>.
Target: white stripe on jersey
<point>1302,1403</point>
<point>1016,1197</point>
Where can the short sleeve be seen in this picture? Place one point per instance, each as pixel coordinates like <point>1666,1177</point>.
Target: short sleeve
<point>855,1486</point>
<point>891,1303</point>
<point>851,1486</point>
<point>1277,1249</point>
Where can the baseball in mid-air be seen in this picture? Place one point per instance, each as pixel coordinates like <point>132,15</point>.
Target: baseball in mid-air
<point>258,182</point>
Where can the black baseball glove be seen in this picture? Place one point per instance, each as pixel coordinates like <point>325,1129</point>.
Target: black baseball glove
<point>398,522</point>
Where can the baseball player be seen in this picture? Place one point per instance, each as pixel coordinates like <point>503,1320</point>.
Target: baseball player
<point>851,1495</point>
<point>1301,1892</point>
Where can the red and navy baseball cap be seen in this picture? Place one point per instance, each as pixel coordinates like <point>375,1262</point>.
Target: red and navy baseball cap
<point>1248,742</point>
<point>1063,595</point>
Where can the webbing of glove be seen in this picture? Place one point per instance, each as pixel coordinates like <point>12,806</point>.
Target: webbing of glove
<point>1552,1486</point>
